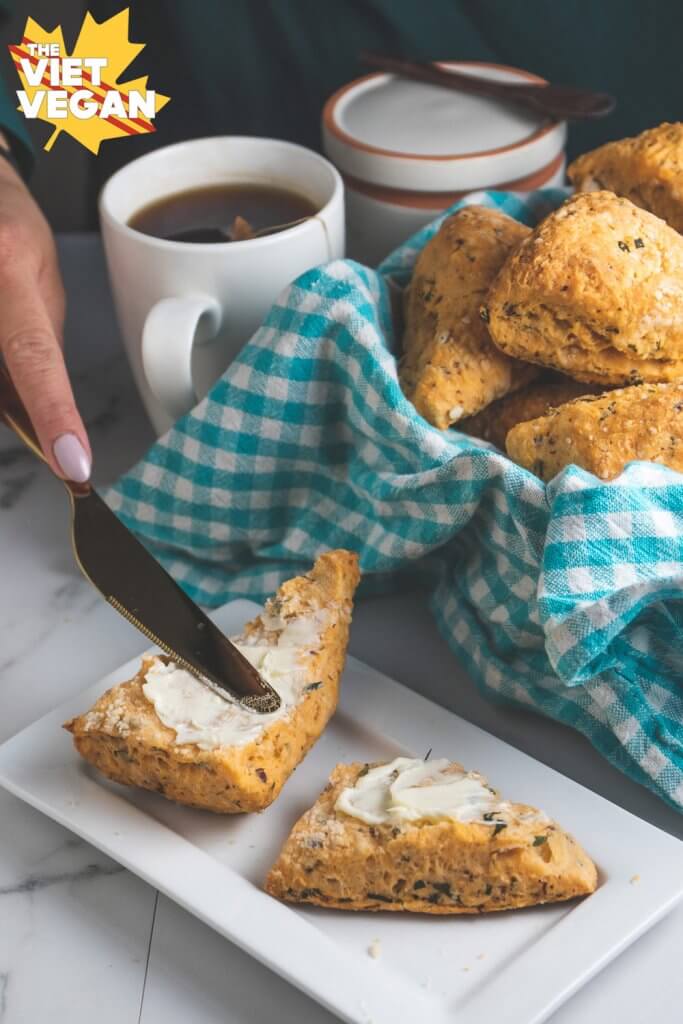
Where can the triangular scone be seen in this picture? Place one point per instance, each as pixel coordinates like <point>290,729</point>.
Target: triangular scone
<point>536,399</point>
<point>405,853</point>
<point>647,169</point>
<point>450,368</point>
<point>595,292</point>
<point>298,642</point>
<point>603,433</point>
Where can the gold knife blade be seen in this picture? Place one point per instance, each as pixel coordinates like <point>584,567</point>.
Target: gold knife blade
<point>137,586</point>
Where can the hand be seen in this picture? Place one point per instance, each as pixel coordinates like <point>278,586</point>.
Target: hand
<point>31,324</point>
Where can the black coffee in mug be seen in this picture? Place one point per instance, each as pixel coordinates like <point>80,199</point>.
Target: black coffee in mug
<point>221,213</point>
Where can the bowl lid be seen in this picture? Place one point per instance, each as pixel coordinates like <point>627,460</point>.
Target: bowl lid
<point>394,131</point>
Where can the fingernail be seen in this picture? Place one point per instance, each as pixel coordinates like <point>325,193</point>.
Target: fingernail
<point>72,458</point>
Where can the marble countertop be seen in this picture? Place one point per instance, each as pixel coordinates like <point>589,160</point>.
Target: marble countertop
<point>80,937</point>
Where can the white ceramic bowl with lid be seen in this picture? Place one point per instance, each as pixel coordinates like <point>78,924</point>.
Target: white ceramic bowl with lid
<point>411,149</point>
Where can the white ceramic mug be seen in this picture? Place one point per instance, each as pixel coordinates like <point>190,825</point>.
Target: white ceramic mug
<point>186,309</point>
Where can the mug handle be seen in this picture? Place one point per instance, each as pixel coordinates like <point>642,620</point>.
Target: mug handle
<point>171,330</point>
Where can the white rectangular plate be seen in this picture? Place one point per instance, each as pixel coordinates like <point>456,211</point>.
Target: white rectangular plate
<point>516,965</point>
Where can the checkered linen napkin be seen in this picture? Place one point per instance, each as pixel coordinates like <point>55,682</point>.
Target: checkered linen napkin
<point>564,598</point>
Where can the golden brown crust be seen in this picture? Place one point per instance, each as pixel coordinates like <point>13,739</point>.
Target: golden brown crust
<point>449,867</point>
<point>603,433</point>
<point>449,368</point>
<point>123,737</point>
<point>536,399</point>
<point>596,292</point>
<point>647,169</point>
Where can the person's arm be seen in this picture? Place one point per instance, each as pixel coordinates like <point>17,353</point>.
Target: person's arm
<point>31,323</point>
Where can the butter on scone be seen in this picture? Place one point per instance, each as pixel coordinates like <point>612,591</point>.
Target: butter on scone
<point>165,731</point>
<point>536,399</point>
<point>604,433</point>
<point>595,292</point>
<point>425,836</point>
<point>449,368</point>
<point>647,169</point>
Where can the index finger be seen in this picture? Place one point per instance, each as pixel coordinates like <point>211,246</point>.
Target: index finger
<point>35,363</point>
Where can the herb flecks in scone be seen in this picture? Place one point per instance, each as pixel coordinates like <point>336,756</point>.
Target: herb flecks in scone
<point>450,369</point>
<point>536,399</point>
<point>602,434</point>
<point>429,837</point>
<point>595,292</point>
<point>647,169</point>
<point>166,731</point>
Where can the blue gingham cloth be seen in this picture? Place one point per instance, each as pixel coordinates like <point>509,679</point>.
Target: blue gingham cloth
<point>564,598</point>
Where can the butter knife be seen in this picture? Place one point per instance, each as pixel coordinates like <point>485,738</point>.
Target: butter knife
<point>134,583</point>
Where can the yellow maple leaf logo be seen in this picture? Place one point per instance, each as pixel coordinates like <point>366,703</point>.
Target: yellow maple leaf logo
<point>79,93</point>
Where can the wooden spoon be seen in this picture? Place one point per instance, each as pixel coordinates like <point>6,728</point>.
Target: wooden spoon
<point>564,102</point>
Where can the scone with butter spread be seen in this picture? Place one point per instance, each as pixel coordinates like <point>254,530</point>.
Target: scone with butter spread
<point>647,169</point>
<point>603,433</point>
<point>449,368</point>
<point>536,399</point>
<point>595,292</point>
<point>425,836</point>
<point>166,731</point>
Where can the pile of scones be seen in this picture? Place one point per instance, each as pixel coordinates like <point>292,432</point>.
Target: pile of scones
<point>562,345</point>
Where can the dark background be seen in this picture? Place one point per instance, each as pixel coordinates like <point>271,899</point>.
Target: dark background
<point>278,60</point>
<point>59,183</point>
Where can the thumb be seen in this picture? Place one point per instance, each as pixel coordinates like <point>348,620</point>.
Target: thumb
<point>35,363</point>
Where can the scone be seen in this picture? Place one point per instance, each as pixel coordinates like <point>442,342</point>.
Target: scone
<point>425,836</point>
<point>647,169</point>
<point>449,368</point>
<point>603,433</point>
<point>536,399</point>
<point>596,292</point>
<point>166,731</point>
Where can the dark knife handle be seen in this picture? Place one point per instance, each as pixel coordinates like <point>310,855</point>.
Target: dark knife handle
<point>13,414</point>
